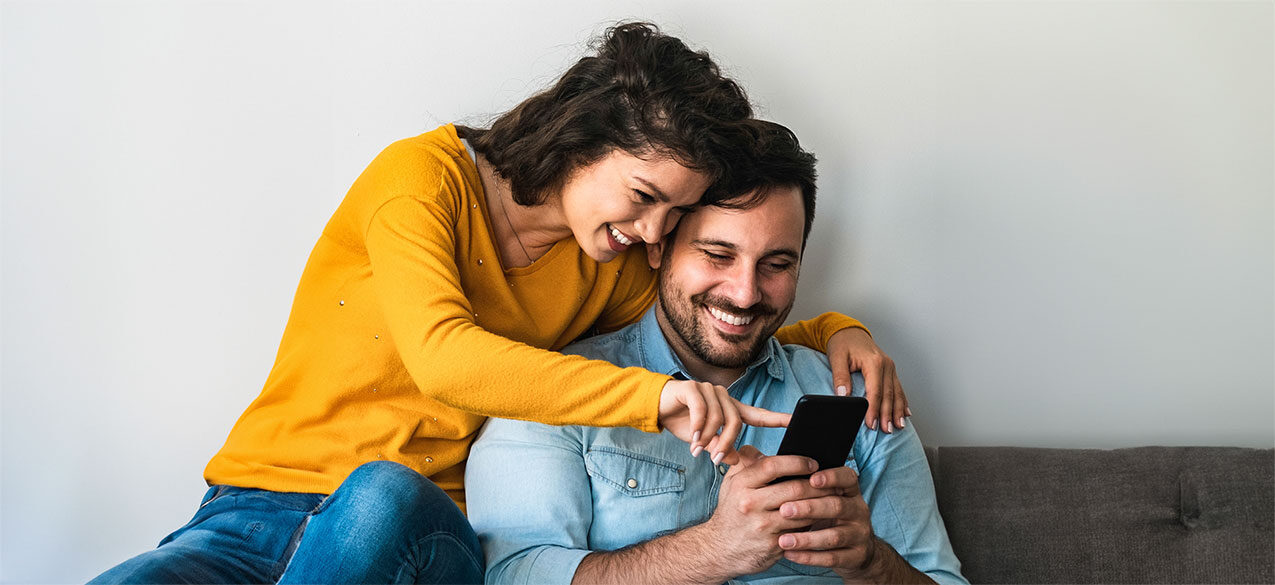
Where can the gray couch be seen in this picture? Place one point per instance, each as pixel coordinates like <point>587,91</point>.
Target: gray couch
<point>1144,515</point>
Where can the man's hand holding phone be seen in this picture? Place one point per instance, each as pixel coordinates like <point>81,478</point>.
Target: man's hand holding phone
<point>841,536</point>
<point>747,524</point>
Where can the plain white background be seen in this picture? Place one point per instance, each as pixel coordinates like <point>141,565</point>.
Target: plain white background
<point>1056,216</point>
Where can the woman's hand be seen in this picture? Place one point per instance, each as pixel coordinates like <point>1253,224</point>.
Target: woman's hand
<point>706,416</point>
<point>852,350</point>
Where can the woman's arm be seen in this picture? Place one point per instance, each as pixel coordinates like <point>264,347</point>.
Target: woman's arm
<point>451,359</point>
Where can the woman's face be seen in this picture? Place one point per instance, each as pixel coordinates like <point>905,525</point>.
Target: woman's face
<point>622,200</point>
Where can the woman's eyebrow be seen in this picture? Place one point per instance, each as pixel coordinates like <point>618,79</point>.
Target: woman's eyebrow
<point>654,190</point>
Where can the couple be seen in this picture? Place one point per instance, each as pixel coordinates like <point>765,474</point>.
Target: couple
<point>434,298</point>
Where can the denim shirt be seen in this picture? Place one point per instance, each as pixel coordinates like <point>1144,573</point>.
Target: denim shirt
<point>542,497</point>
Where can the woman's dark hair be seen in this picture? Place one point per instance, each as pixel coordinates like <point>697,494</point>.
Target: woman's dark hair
<point>644,92</point>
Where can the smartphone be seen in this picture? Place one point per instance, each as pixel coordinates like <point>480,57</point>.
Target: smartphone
<point>823,428</point>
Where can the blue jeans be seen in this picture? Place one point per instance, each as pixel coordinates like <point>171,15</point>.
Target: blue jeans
<point>384,524</point>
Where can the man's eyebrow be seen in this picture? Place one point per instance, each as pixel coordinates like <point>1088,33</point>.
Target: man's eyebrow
<point>654,190</point>
<point>787,252</point>
<point>717,243</point>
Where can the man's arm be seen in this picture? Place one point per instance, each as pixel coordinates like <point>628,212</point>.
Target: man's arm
<point>680,557</point>
<point>528,499</point>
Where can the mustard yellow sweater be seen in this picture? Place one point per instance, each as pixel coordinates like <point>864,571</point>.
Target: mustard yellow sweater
<point>406,333</point>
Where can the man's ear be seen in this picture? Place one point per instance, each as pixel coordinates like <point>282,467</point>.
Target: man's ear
<point>655,253</point>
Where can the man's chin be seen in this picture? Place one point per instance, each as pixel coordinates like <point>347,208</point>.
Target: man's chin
<point>732,351</point>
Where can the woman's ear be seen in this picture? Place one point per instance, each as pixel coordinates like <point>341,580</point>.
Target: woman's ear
<point>655,253</point>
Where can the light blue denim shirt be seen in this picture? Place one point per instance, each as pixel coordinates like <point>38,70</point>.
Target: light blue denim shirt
<point>542,497</point>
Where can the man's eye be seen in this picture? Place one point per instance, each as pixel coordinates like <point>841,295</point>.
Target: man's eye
<point>644,197</point>
<point>779,266</point>
<point>713,256</point>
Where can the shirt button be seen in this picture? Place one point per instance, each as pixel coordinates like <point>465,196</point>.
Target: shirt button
<point>632,483</point>
<point>429,459</point>
<point>721,469</point>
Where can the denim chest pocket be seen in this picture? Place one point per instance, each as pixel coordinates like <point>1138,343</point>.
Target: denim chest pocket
<point>635,496</point>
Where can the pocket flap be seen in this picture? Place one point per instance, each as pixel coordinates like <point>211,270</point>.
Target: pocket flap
<point>634,474</point>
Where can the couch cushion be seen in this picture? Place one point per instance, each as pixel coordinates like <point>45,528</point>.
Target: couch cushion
<point>1143,515</point>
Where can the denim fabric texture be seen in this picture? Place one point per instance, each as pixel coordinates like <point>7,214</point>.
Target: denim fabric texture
<point>542,497</point>
<point>384,524</point>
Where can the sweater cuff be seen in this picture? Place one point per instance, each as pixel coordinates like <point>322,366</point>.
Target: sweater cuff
<point>653,392</point>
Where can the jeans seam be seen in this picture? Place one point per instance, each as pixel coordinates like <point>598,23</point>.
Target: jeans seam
<point>398,578</point>
<point>218,491</point>
<point>285,560</point>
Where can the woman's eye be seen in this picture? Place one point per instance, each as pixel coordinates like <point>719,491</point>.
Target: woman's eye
<point>644,197</point>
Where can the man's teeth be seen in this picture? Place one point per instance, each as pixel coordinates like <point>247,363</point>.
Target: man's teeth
<point>729,318</point>
<point>619,237</point>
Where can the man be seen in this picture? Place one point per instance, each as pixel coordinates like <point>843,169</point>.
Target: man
<point>610,505</point>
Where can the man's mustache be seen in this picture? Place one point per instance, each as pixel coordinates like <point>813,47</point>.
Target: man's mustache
<point>757,310</point>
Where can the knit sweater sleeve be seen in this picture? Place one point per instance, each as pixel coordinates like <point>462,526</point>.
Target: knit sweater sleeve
<point>411,247</point>
<point>815,333</point>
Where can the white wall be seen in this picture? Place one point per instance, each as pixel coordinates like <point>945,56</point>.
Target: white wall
<point>1056,216</point>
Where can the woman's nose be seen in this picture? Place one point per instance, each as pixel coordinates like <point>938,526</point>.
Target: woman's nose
<point>650,228</point>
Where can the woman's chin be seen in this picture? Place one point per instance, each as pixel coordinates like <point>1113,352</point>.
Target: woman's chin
<point>601,255</point>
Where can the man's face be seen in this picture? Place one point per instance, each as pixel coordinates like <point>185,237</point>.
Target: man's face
<point>728,278</point>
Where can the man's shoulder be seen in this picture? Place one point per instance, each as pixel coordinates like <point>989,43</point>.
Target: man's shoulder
<point>813,372</point>
<point>806,358</point>
<point>615,347</point>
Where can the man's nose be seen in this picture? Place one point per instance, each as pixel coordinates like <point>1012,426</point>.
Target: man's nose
<point>742,287</point>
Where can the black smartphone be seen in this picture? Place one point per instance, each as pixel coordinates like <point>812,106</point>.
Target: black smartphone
<point>823,428</point>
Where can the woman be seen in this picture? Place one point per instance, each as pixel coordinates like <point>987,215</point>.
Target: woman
<point>457,261</point>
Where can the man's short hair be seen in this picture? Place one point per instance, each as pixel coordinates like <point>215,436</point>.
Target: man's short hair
<point>777,161</point>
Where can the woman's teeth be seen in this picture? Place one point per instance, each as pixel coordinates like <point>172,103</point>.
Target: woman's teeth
<point>729,318</point>
<point>619,237</point>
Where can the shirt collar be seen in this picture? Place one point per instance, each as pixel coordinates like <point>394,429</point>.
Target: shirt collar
<point>658,356</point>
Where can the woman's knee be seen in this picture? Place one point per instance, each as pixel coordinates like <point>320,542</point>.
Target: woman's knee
<point>384,489</point>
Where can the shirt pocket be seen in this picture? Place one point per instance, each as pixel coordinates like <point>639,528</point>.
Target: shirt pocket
<point>635,496</point>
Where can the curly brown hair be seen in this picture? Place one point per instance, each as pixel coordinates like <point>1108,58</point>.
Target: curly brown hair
<point>643,92</point>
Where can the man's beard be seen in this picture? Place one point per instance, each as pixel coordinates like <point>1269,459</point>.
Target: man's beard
<point>684,316</point>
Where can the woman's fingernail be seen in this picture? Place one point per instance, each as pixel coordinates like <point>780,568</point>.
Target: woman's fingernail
<point>908,410</point>
<point>717,459</point>
<point>889,427</point>
<point>696,450</point>
<point>872,424</point>
<point>695,437</point>
<point>841,391</point>
<point>901,425</point>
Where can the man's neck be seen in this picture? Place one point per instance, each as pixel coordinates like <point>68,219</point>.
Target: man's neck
<point>696,367</point>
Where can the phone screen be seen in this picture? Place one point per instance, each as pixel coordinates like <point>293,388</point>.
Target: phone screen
<point>823,428</point>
